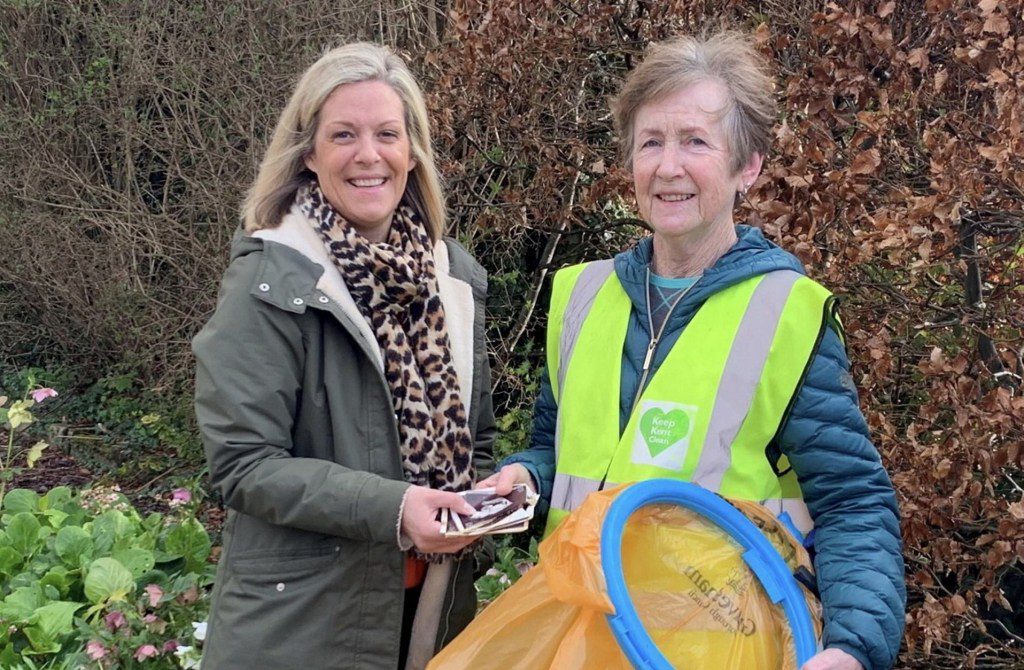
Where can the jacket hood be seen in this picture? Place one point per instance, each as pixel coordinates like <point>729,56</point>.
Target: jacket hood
<point>750,256</point>
<point>295,273</point>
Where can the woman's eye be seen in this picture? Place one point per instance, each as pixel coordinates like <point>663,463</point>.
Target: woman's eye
<point>341,135</point>
<point>697,142</point>
<point>650,143</point>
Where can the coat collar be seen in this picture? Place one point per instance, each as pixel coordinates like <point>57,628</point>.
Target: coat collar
<point>750,256</point>
<point>295,272</point>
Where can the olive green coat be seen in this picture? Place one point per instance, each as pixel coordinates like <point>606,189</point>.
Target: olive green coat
<point>301,440</point>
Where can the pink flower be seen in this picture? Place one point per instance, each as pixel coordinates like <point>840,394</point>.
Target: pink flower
<point>180,497</point>
<point>170,645</point>
<point>155,593</point>
<point>146,651</point>
<point>95,650</point>
<point>115,620</point>
<point>39,395</point>
<point>155,623</point>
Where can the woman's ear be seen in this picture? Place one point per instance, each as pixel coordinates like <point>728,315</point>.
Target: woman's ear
<point>310,163</point>
<point>751,170</point>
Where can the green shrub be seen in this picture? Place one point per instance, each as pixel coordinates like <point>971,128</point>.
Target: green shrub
<point>86,581</point>
<point>510,563</point>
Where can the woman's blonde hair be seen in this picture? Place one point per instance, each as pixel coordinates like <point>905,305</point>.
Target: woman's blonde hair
<point>728,57</point>
<point>284,170</point>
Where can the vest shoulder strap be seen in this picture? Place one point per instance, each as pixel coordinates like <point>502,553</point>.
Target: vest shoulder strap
<point>572,296</point>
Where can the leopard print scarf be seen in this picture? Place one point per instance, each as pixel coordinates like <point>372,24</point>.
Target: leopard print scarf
<point>395,287</point>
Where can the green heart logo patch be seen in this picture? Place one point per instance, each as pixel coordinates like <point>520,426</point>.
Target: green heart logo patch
<point>663,429</point>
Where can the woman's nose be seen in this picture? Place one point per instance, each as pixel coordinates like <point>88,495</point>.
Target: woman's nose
<point>367,153</point>
<point>670,164</point>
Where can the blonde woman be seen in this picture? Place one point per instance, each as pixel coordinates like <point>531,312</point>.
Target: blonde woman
<point>342,387</point>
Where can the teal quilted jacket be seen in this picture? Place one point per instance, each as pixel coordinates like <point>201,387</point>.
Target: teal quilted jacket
<point>859,559</point>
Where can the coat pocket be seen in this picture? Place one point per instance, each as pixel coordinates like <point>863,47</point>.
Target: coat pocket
<point>278,611</point>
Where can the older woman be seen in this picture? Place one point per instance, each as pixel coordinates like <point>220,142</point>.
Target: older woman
<point>705,354</point>
<point>343,390</point>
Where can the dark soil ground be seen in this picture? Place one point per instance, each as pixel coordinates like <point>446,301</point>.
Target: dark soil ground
<point>52,469</point>
<point>56,468</point>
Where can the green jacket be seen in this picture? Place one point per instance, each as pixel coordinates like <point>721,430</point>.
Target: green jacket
<point>301,440</point>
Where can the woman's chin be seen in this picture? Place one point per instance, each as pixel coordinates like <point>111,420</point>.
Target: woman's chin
<point>681,231</point>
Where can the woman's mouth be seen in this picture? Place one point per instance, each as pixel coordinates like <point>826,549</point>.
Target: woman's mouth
<point>367,183</point>
<point>674,197</point>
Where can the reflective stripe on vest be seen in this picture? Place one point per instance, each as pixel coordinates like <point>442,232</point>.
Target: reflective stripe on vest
<point>711,409</point>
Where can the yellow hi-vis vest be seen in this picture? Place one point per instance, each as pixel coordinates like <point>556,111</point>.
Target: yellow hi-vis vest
<point>714,405</point>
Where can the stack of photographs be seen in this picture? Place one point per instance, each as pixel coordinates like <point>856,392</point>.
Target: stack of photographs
<point>494,514</point>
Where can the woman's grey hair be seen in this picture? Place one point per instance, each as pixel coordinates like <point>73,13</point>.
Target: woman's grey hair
<point>728,57</point>
<point>283,170</point>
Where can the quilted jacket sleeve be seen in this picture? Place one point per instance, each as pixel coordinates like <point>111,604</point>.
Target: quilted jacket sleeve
<point>539,459</point>
<point>859,559</point>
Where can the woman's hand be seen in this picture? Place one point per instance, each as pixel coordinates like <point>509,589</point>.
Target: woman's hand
<point>506,478</point>
<point>832,659</point>
<point>420,524</point>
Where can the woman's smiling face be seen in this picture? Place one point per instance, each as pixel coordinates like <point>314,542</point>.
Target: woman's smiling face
<point>362,156</point>
<point>682,176</point>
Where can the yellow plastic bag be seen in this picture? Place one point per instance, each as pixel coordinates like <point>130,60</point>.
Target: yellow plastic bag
<point>696,597</point>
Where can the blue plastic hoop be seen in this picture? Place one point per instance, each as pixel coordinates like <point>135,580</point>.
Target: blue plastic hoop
<point>761,557</point>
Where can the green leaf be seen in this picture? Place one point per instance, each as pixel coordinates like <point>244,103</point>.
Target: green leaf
<point>34,452</point>
<point>55,517</point>
<point>21,500</point>
<point>108,528</point>
<point>159,577</point>
<point>40,644</point>
<point>108,580</point>
<point>190,541</point>
<point>56,498</point>
<point>72,543</point>
<point>22,603</point>
<point>10,561</point>
<point>18,415</point>
<point>57,578</point>
<point>9,658</point>
<point>49,623</point>
<point>153,522</point>
<point>23,530</point>
<point>138,561</point>
<point>121,383</point>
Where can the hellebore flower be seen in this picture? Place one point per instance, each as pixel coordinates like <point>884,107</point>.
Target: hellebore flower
<point>146,651</point>
<point>180,497</point>
<point>39,395</point>
<point>95,650</point>
<point>115,620</point>
<point>155,593</point>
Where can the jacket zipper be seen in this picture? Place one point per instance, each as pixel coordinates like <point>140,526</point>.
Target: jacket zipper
<point>649,356</point>
<point>655,339</point>
<point>446,617</point>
